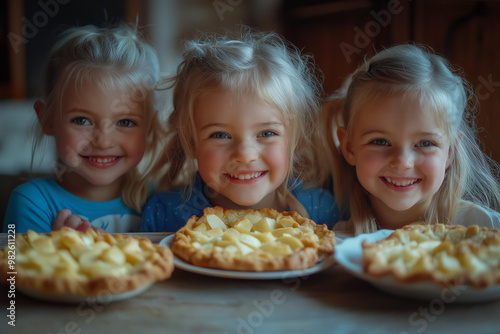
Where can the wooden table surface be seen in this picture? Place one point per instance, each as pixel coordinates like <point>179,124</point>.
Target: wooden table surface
<point>332,301</point>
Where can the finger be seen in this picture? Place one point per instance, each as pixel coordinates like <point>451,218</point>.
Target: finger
<point>84,226</point>
<point>73,221</point>
<point>98,229</point>
<point>60,219</point>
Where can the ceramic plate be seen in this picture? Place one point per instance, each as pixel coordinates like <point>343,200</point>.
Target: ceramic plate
<point>349,255</point>
<point>322,265</point>
<point>103,298</point>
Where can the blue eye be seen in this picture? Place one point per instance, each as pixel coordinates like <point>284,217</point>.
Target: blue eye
<point>425,143</point>
<point>126,123</point>
<point>380,142</point>
<point>219,135</point>
<point>267,133</point>
<point>80,121</point>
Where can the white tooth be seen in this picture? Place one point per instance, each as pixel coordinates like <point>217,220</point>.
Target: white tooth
<point>399,184</point>
<point>245,177</point>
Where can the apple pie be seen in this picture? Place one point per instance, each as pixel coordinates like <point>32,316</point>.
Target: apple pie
<point>446,254</point>
<point>86,263</point>
<point>252,240</point>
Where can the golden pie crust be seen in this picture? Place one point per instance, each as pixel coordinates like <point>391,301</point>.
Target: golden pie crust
<point>86,263</point>
<point>446,254</point>
<point>252,240</point>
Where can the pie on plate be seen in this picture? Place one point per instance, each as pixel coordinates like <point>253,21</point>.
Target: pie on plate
<point>72,263</point>
<point>446,254</point>
<point>252,240</point>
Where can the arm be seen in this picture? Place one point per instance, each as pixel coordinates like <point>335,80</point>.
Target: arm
<point>153,214</point>
<point>320,204</point>
<point>168,212</point>
<point>328,209</point>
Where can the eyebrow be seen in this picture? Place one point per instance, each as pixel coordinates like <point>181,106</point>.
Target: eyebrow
<point>263,124</point>
<point>91,112</point>
<point>436,134</point>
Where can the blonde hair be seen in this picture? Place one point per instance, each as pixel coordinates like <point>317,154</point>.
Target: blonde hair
<point>109,58</point>
<point>429,80</point>
<point>251,62</point>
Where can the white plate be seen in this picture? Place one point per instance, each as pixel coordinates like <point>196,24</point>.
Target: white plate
<point>322,265</point>
<point>349,255</point>
<point>102,298</point>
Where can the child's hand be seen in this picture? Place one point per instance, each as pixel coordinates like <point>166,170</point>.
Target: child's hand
<point>65,218</point>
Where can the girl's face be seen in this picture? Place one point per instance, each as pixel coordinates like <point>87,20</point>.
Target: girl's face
<point>400,154</point>
<point>242,149</point>
<point>100,136</point>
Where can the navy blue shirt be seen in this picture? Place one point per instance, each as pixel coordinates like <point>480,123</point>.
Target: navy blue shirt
<point>169,211</point>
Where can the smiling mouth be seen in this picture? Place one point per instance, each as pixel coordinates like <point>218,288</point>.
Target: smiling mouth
<point>399,183</point>
<point>245,176</point>
<point>102,160</point>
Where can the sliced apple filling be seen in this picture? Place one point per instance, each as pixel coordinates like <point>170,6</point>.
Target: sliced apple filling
<point>443,253</point>
<point>69,261</point>
<point>232,239</point>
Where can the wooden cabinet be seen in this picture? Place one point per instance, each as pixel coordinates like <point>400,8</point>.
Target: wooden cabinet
<point>28,28</point>
<point>341,33</point>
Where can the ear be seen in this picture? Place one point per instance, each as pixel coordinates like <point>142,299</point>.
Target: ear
<point>345,146</point>
<point>40,110</point>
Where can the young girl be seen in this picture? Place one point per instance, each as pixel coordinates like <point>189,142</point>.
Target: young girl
<point>405,149</point>
<point>100,107</point>
<point>241,133</point>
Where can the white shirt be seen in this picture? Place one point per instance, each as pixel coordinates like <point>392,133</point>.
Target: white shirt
<point>468,214</point>
<point>473,214</point>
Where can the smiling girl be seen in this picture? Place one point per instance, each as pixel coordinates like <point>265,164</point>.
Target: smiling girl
<point>100,107</point>
<point>405,149</point>
<point>241,133</point>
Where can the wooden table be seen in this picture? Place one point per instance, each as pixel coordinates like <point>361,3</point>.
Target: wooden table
<point>331,301</point>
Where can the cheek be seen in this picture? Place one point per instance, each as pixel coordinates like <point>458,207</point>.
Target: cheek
<point>434,168</point>
<point>71,143</point>
<point>208,161</point>
<point>137,144</point>
<point>370,163</point>
<point>278,158</point>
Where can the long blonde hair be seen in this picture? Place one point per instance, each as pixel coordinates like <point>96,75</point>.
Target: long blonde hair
<point>251,62</point>
<point>429,80</point>
<point>110,58</point>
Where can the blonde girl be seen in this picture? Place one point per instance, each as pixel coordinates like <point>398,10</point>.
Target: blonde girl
<point>242,132</point>
<point>404,146</point>
<point>99,105</point>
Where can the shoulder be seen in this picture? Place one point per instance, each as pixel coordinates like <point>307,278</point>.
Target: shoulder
<point>472,214</point>
<point>319,203</point>
<point>37,186</point>
<point>313,194</point>
<point>30,207</point>
<point>37,191</point>
<point>169,211</point>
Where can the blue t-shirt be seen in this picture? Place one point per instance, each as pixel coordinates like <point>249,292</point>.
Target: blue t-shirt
<point>35,204</point>
<point>168,211</point>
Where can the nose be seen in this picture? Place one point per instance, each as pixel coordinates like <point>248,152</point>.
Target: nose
<point>245,152</point>
<point>103,135</point>
<point>403,158</point>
